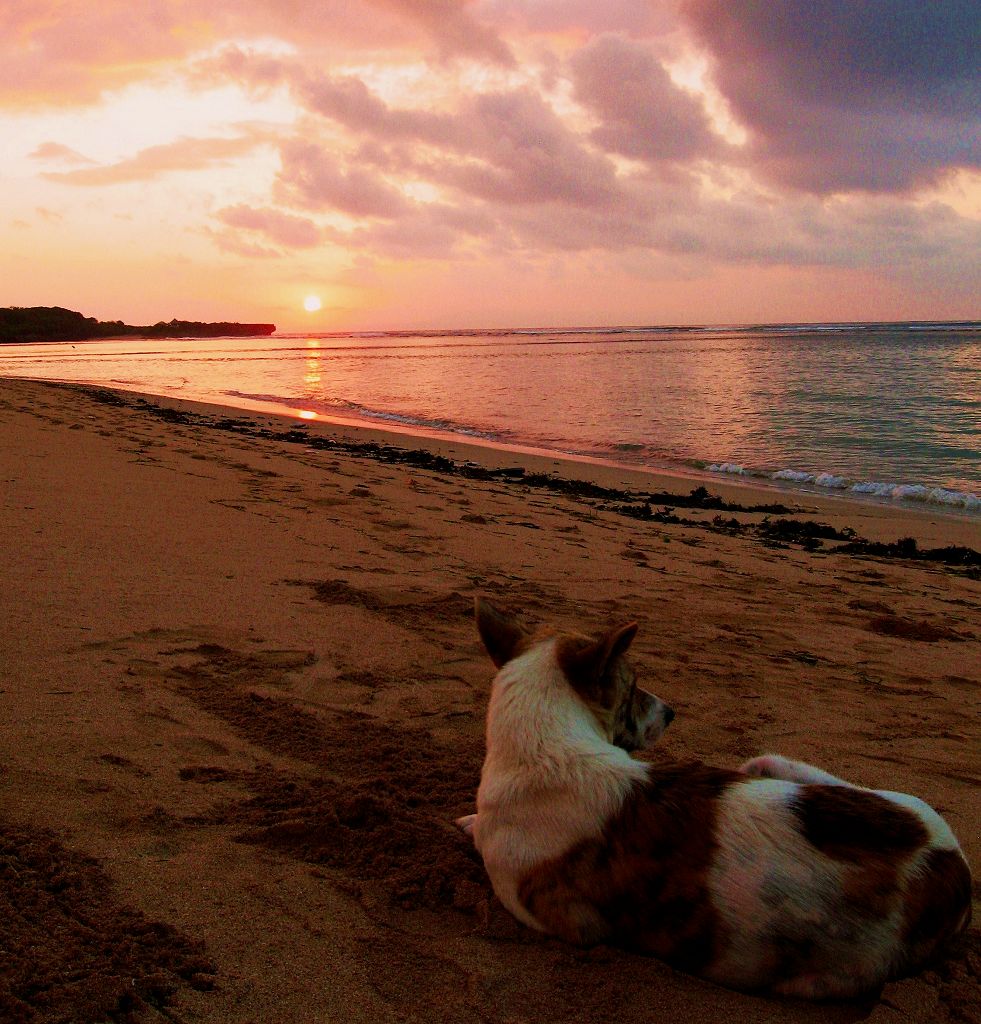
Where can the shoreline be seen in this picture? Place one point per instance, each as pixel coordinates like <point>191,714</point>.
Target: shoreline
<point>759,489</point>
<point>889,471</point>
<point>969,508</point>
<point>245,700</point>
<point>875,518</point>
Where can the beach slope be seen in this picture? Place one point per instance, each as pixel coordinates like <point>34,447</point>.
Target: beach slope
<point>243,703</point>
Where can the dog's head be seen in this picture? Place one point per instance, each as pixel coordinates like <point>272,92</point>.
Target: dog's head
<point>595,669</point>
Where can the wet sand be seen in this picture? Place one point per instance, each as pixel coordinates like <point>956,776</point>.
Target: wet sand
<point>243,702</point>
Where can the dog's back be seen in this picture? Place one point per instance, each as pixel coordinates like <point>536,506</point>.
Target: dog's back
<point>777,876</point>
<point>807,889</point>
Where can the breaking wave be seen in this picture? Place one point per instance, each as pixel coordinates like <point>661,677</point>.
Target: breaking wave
<point>964,500</point>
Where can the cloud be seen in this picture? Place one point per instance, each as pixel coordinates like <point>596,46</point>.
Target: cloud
<point>454,29</point>
<point>282,228</point>
<point>344,98</point>
<point>504,172</point>
<point>643,114</point>
<point>874,95</point>
<point>501,146</point>
<point>68,52</point>
<point>436,231</point>
<point>522,152</point>
<point>56,152</point>
<point>347,100</point>
<point>504,146</point>
<point>54,52</point>
<point>232,242</point>
<point>314,178</point>
<point>417,135</point>
<point>634,17</point>
<point>883,234</point>
<point>187,154</point>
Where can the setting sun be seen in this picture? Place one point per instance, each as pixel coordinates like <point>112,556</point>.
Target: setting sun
<point>312,303</point>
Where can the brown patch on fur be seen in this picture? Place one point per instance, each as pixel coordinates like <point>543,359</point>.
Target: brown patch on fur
<point>643,882</point>
<point>871,888</point>
<point>855,825</point>
<point>569,651</point>
<point>602,677</point>
<point>938,901</point>
<point>590,665</point>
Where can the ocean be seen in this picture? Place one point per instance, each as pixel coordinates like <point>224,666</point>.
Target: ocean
<point>886,412</point>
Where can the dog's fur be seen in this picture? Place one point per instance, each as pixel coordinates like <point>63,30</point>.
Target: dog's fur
<point>776,876</point>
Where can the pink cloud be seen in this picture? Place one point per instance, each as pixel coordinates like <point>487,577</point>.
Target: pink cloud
<point>343,98</point>
<point>348,101</point>
<point>500,146</point>
<point>282,228</point>
<point>55,151</point>
<point>635,17</point>
<point>73,51</point>
<point>831,106</point>
<point>524,153</point>
<point>232,242</point>
<point>643,113</point>
<point>188,154</point>
<point>408,238</point>
<point>315,179</point>
<point>516,178</point>
<point>453,27</point>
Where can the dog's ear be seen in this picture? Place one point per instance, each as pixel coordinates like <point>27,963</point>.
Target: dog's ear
<point>585,664</point>
<point>502,635</point>
<point>617,640</point>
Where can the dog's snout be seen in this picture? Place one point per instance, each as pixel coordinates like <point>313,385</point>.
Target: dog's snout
<point>668,714</point>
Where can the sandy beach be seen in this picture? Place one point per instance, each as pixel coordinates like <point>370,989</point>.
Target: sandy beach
<point>243,701</point>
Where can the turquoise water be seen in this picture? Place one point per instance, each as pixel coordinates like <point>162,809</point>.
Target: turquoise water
<point>888,410</point>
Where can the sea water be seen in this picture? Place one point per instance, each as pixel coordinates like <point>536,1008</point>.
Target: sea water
<point>888,411</point>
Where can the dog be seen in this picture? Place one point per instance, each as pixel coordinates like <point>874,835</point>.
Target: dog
<point>775,877</point>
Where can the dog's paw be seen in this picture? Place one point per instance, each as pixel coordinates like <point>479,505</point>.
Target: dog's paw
<point>770,766</point>
<point>466,823</point>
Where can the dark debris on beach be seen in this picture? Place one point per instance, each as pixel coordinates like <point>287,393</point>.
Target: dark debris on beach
<point>647,506</point>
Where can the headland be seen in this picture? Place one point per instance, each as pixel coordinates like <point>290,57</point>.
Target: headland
<point>28,324</point>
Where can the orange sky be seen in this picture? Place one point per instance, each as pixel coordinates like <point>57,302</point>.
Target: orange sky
<point>432,163</point>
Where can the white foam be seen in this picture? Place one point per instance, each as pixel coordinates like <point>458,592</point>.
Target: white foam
<point>911,492</point>
<point>878,488</point>
<point>963,499</point>
<point>882,490</point>
<point>793,474</point>
<point>917,492</point>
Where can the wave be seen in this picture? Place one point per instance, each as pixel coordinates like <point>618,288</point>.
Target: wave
<point>966,500</point>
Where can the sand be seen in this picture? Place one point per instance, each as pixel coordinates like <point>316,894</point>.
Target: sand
<point>243,701</point>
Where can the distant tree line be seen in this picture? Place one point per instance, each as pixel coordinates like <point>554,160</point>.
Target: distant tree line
<point>54,323</point>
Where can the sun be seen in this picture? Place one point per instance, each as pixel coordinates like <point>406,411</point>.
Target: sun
<point>312,303</point>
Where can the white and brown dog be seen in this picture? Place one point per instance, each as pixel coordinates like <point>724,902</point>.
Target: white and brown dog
<point>774,877</point>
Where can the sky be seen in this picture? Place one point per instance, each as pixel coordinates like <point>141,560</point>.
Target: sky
<point>492,163</point>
